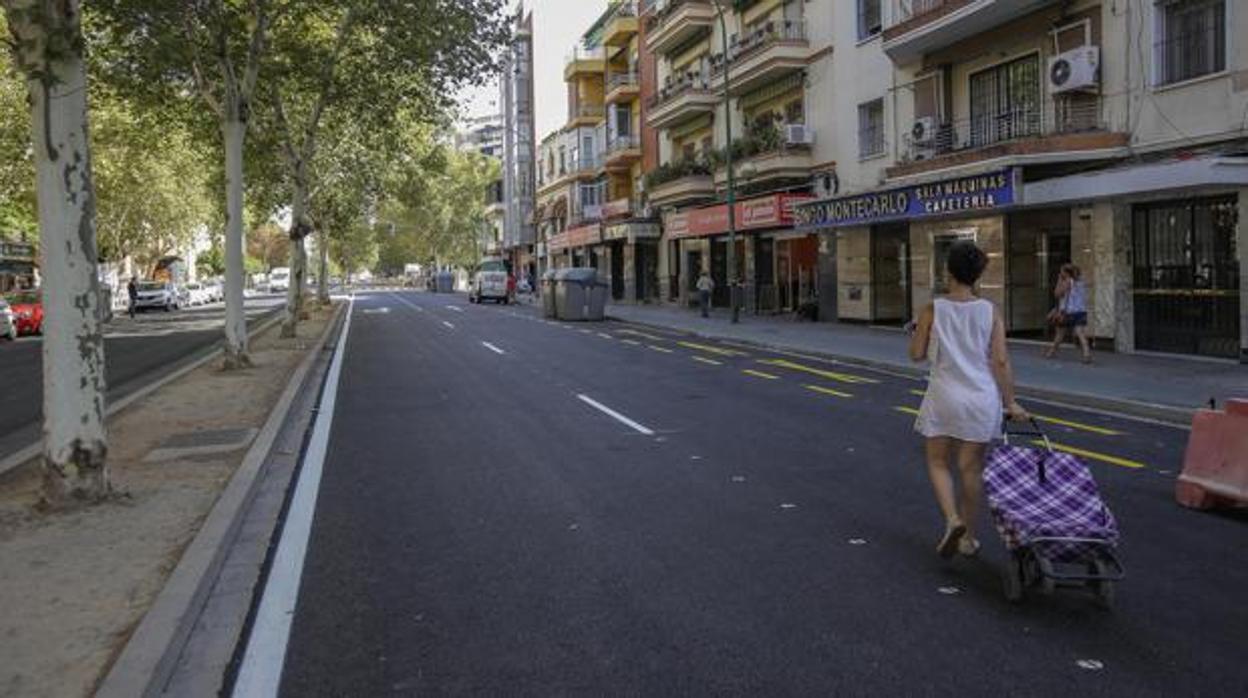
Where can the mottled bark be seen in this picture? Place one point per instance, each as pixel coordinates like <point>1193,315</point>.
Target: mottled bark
<point>48,38</point>
<point>234,130</point>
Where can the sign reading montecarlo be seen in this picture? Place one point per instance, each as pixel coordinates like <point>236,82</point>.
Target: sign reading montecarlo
<point>965,194</point>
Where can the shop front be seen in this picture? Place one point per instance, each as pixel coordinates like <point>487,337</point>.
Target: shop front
<point>575,247</point>
<point>634,247</point>
<point>777,266</point>
<point>891,246</point>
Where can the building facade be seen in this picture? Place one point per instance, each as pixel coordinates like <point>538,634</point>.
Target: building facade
<point>519,148</point>
<point>482,134</point>
<point>1106,134</point>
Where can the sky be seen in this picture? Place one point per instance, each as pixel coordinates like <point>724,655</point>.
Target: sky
<point>557,25</point>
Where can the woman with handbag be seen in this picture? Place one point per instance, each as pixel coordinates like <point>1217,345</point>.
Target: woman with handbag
<point>1071,312</point>
<point>962,337</point>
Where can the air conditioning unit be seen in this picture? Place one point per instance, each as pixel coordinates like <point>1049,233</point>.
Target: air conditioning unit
<point>799,134</point>
<point>923,132</point>
<point>1075,70</point>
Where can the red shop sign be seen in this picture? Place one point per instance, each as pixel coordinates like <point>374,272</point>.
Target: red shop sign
<point>775,211</point>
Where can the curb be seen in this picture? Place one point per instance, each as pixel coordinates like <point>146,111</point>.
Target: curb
<point>150,655</point>
<point>1170,416</point>
<point>24,456</point>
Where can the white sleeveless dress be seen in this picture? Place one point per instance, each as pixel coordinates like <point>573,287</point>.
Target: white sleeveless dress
<point>962,399</point>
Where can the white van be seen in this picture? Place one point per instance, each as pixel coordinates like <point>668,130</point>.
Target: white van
<point>279,280</point>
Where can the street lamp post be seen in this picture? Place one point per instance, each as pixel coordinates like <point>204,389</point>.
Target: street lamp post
<point>733,286</point>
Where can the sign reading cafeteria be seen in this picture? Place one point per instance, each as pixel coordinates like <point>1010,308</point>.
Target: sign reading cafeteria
<point>966,194</point>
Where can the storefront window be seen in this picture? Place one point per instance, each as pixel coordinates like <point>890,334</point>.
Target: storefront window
<point>941,244</point>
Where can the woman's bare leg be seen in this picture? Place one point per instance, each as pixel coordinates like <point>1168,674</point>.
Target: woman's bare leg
<point>1081,333</point>
<point>942,477</point>
<point>971,470</point>
<point>1059,336</point>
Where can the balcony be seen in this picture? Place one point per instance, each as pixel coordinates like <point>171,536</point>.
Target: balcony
<point>922,26</point>
<point>684,97</point>
<point>1058,128</point>
<point>586,166</point>
<point>622,152</point>
<point>586,115</point>
<point>679,183</point>
<point>582,61</point>
<point>622,26</point>
<point>764,155</point>
<point>622,88</point>
<point>678,23</point>
<point>766,54</point>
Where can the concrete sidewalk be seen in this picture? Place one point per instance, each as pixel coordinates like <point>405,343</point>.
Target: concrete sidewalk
<point>1147,385</point>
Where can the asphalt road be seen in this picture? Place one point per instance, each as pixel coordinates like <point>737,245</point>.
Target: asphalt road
<point>135,352</point>
<point>483,530</point>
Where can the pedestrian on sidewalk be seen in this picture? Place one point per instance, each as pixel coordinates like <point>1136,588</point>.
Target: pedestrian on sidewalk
<point>132,292</point>
<point>970,385</point>
<point>705,285</point>
<point>1071,312</point>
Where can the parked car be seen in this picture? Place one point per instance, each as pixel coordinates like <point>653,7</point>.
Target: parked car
<point>279,280</point>
<point>8,321</point>
<point>161,295</point>
<point>216,291</point>
<point>490,281</point>
<point>195,293</point>
<point>27,308</point>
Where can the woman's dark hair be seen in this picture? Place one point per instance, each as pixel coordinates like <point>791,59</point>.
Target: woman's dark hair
<point>967,262</point>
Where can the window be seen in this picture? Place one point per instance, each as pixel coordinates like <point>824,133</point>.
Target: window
<point>869,23</point>
<point>795,112</point>
<point>1191,39</point>
<point>871,129</point>
<point>1005,101</point>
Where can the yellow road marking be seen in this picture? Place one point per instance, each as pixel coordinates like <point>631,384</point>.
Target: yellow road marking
<point>711,350</point>
<point>760,374</point>
<point>1076,425</point>
<point>631,341</point>
<point>1093,455</point>
<point>830,375</point>
<point>661,349</point>
<point>707,361</point>
<point>1054,420</point>
<point>907,410</point>
<point>827,391</point>
<point>643,335</point>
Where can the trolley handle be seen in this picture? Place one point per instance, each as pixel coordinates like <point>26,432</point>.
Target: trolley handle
<point>1035,430</point>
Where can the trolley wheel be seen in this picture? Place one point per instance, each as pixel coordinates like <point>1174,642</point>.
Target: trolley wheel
<point>1012,578</point>
<point>1045,578</point>
<point>1103,588</point>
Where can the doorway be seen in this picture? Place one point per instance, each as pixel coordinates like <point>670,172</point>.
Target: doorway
<point>891,302</point>
<point>765,275</point>
<point>617,272</point>
<point>1187,277</point>
<point>1037,245</point>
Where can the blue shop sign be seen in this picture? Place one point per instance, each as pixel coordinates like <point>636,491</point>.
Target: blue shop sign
<point>973,194</point>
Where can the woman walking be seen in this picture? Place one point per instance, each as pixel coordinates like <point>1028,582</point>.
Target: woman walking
<point>971,384</point>
<point>1072,311</point>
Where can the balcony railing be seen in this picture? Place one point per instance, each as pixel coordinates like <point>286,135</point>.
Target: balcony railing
<point>678,84</point>
<point>620,143</point>
<point>620,80</point>
<point>586,164</point>
<point>906,10</point>
<point>628,8</point>
<point>758,40</point>
<point>588,111</point>
<point>934,139</point>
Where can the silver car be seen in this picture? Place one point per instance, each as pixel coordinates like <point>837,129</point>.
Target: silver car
<point>8,323</point>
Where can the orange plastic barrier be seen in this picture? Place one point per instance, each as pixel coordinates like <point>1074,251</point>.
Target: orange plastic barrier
<point>1215,469</point>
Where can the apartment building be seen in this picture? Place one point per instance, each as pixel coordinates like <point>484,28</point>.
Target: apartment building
<point>1107,133</point>
<point>590,206</point>
<point>519,147</point>
<point>773,53</point>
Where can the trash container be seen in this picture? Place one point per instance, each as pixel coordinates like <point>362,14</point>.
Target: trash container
<point>445,282</point>
<point>578,294</point>
<point>548,295</point>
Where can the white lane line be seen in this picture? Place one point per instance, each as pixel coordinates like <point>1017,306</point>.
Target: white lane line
<point>455,308</point>
<point>493,348</point>
<point>449,326</point>
<point>616,415</point>
<point>261,670</point>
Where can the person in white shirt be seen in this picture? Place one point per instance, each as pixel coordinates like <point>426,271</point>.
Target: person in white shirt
<point>705,286</point>
<point>971,384</point>
<point>1071,312</point>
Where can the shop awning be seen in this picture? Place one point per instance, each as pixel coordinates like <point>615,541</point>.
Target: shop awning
<point>1215,171</point>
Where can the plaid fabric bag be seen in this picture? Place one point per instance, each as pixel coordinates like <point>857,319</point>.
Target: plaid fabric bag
<point>1036,493</point>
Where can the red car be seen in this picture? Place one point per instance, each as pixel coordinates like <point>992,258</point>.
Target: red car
<point>27,312</point>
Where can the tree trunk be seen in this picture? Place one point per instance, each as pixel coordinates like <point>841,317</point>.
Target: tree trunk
<point>299,230</point>
<point>234,131</point>
<point>74,438</point>
<point>322,246</point>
